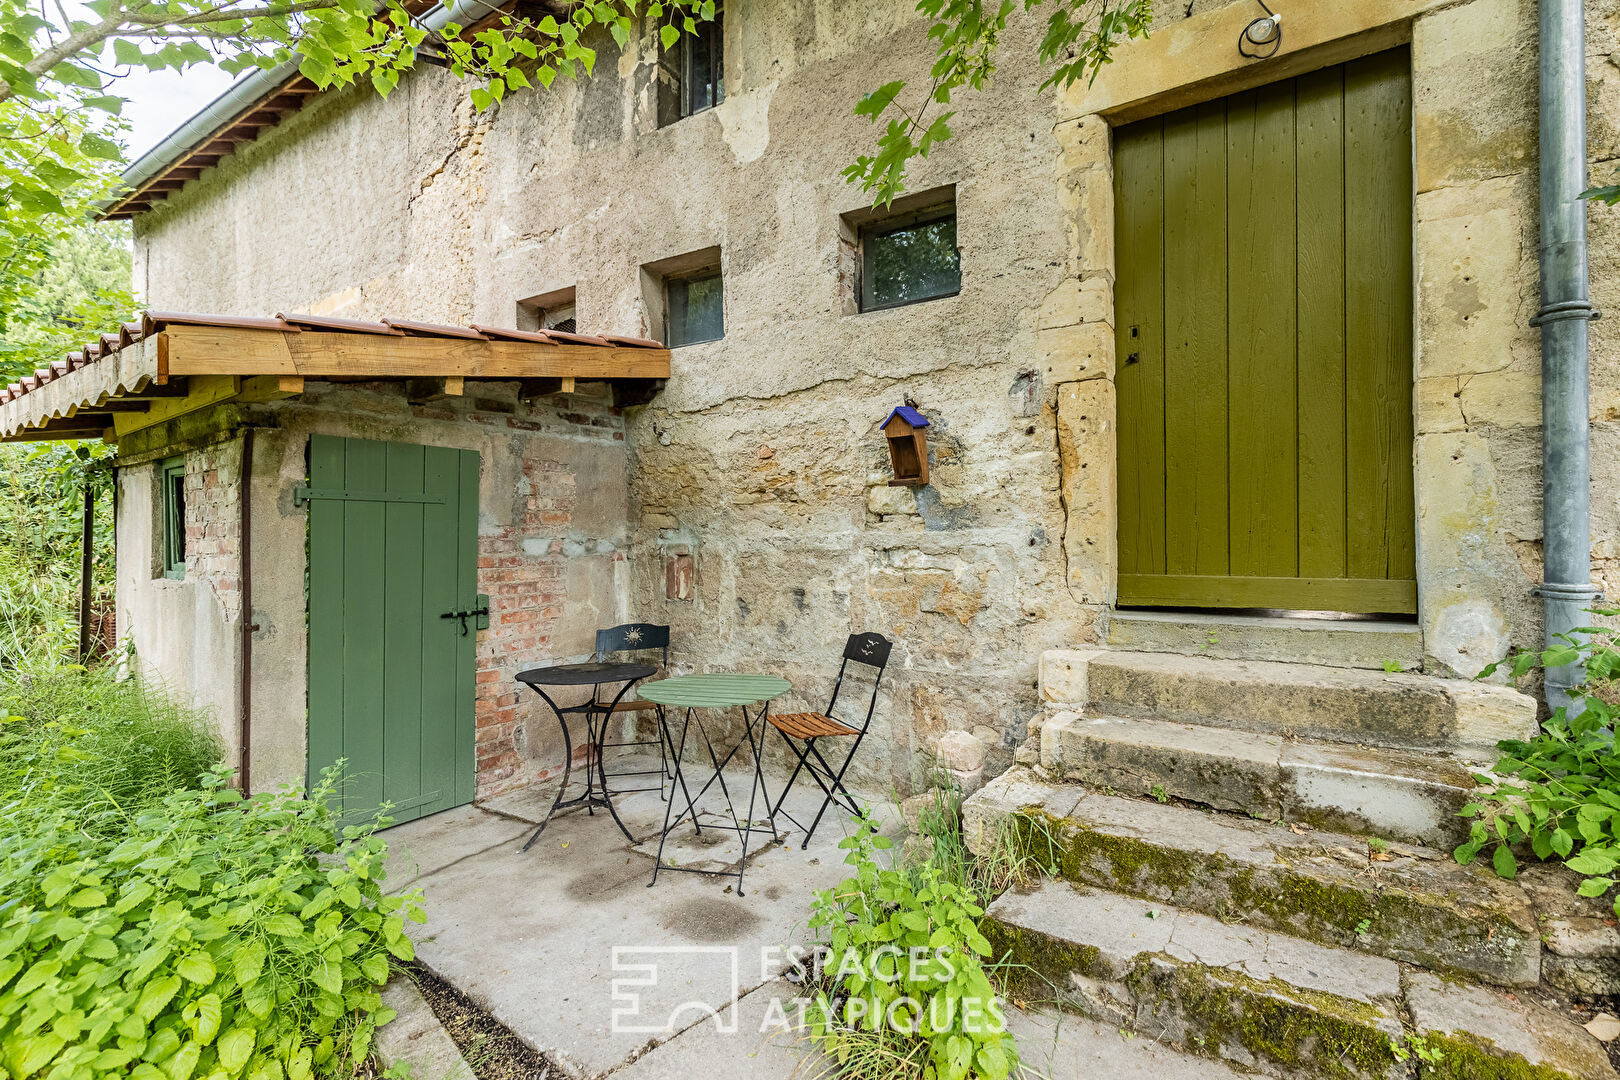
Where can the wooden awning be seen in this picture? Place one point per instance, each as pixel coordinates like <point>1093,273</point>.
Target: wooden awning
<point>147,362</point>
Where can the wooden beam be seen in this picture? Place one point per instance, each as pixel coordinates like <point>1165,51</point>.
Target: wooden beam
<point>567,386</point>
<point>454,386</point>
<point>217,350</point>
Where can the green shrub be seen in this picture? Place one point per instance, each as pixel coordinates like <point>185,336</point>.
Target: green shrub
<point>203,936</point>
<point>84,742</point>
<point>1561,791</point>
<point>902,990</point>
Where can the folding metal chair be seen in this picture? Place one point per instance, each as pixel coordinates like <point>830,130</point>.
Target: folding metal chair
<point>635,638</point>
<point>871,650</point>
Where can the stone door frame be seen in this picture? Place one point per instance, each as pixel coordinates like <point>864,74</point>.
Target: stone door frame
<point>1465,569</point>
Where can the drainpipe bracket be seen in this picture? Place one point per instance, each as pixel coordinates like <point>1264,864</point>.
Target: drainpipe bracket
<point>1566,309</point>
<point>1568,591</point>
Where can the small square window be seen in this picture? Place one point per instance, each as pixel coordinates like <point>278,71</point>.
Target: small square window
<point>172,478</point>
<point>691,74</point>
<point>696,309</point>
<point>909,259</point>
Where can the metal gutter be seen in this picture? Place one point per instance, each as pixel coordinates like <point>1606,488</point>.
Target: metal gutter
<point>1566,308</point>
<point>238,98</point>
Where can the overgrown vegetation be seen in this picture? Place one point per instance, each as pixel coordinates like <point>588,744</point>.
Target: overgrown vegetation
<point>1560,791</point>
<point>156,925</point>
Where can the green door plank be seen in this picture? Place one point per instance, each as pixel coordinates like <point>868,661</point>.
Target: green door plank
<point>364,614</point>
<point>1378,312</point>
<point>1195,428</point>
<point>1262,387</point>
<point>1139,377</point>
<point>325,585</point>
<point>467,589</point>
<point>403,620</point>
<point>441,646</point>
<point>1319,298</point>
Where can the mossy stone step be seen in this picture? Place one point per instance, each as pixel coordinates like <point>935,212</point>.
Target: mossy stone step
<point>1312,701</point>
<point>1269,1002</point>
<point>1408,903</point>
<point>1264,1001</point>
<point>1393,794</point>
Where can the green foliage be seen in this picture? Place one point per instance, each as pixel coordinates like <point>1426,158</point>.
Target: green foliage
<point>80,291</point>
<point>903,990</point>
<point>41,516</point>
<point>1605,193</point>
<point>1080,38</point>
<point>1560,791</point>
<point>86,742</point>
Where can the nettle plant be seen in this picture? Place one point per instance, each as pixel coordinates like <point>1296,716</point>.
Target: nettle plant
<point>901,987</point>
<point>206,936</point>
<point>1559,791</point>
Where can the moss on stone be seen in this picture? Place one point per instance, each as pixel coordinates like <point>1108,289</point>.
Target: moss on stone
<point>1272,1020</point>
<point>1035,967</point>
<point>1470,1057</point>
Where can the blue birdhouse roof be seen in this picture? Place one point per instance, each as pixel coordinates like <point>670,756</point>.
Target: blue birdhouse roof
<point>908,414</point>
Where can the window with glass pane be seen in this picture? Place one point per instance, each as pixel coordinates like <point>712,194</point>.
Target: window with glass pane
<point>696,310</point>
<point>692,75</point>
<point>172,478</point>
<point>902,264</point>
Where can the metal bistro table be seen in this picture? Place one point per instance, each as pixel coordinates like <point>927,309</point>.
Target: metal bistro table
<point>694,692</point>
<point>596,720</point>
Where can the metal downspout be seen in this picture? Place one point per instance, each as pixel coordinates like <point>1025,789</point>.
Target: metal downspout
<point>1566,588</point>
<point>244,775</point>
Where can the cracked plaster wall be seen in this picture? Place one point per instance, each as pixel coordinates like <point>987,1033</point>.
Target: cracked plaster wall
<point>762,455</point>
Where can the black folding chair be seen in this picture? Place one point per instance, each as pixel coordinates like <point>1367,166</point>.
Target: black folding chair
<point>635,638</point>
<point>871,650</point>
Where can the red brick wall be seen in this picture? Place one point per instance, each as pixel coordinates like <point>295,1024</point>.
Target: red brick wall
<point>214,521</point>
<point>523,569</point>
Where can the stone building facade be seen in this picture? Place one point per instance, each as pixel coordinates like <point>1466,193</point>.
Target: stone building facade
<point>761,458</point>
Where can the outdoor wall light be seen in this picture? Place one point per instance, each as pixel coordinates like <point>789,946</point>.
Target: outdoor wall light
<point>1263,36</point>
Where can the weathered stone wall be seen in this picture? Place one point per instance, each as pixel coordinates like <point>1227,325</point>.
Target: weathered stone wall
<point>762,460</point>
<point>553,514</point>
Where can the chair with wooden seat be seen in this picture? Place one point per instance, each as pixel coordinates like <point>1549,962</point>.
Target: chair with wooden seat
<point>801,731</point>
<point>633,639</point>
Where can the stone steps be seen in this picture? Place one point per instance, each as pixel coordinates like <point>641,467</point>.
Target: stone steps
<point>1411,904</point>
<point>1268,1002</point>
<point>1311,701</point>
<point>1393,794</point>
<point>1354,643</point>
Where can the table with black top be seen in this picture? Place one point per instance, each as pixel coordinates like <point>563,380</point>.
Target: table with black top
<point>719,691</point>
<point>594,675</point>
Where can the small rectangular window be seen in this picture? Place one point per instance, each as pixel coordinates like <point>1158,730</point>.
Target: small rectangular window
<point>910,259</point>
<point>691,74</point>
<point>172,477</point>
<point>696,309</point>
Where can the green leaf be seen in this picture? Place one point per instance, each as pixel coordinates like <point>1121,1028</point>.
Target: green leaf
<point>97,147</point>
<point>873,104</point>
<point>1504,863</point>
<point>668,36</point>
<point>197,967</point>
<point>1595,886</point>
<point>235,1047</point>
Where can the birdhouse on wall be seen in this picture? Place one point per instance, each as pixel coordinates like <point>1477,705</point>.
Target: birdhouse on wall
<point>906,431</point>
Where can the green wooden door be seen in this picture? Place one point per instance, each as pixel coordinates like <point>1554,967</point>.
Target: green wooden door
<point>393,545</point>
<point>1264,333</point>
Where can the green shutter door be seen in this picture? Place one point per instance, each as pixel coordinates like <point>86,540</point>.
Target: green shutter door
<point>1264,309</point>
<point>393,545</point>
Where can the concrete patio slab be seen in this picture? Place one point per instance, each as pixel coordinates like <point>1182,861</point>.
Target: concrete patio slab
<point>569,948</point>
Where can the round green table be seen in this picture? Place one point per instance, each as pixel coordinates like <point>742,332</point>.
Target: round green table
<point>718,691</point>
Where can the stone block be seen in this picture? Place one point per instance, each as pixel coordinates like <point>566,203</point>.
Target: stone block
<point>416,1038</point>
<point>1483,1033</point>
<point>1076,353</point>
<point>967,780</point>
<point>959,750</point>
<point>1088,483</point>
<point>1064,675</point>
<point>1014,790</point>
<point>1487,714</point>
<point>1261,1000</point>
<point>1332,642</point>
<point>1386,793</point>
<point>887,499</point>
<point>1078,300</point>
<point>1226,769</point>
